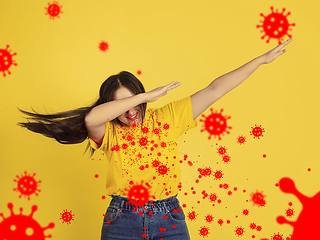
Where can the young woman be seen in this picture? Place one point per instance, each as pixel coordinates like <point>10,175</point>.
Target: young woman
<point>143,171</point>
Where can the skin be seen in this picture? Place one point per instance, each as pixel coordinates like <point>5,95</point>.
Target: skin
<point>121,93</point>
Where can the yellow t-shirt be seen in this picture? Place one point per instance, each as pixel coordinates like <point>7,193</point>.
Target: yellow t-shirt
<point>147,158</point>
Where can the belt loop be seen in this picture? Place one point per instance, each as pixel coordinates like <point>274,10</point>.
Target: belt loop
<point>165,207</point>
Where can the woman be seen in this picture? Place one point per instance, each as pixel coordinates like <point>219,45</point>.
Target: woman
<point>143,172</point>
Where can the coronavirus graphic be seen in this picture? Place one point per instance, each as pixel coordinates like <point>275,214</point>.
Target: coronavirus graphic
<point>192,215</point>
<point>257,131</point>
<point>162,170</point>
<point>258,198</point>
<point>241,139</point>
<point>209,218</point>
<point>289,212</point>
<point>103,46</point>
<point>215,124</point>
<point>253,225</point>
<point>53,10</point>
<point>204,231</point>
<point>67,216</point>
<point>226,158</point>
<point>245,212</point>
<point>6,60</point>
<point>218,175</point>
<point>27,185</point>
<point>307,224</point>
<point>239,231</point>
<point>205,172</point>
<point>138,194</point>
<point>19,226</point>
<point>222,150</point>
<point>275,25</point>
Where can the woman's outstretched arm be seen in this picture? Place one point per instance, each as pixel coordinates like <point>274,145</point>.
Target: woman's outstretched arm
<point>204,98</point>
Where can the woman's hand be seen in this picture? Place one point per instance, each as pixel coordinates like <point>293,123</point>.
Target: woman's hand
<point>153,95</point>
<point>274,53</point>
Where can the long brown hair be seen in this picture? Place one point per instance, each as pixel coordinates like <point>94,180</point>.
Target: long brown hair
<point>69,127</point>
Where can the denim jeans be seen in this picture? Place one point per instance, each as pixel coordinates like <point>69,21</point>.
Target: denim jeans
<point>158,220</point>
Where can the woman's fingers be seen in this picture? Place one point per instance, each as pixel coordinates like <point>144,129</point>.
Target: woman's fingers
<point>279,47</point>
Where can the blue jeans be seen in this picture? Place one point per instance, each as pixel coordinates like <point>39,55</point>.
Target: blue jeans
<point>158,220</point>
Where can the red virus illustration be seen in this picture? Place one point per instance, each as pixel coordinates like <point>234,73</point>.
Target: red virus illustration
<point>143,141</point>
<point>239,231</point>
<point>275,25</point>
<point>218,175</point>
<point>205,172</point>
<point>6,60</point>
<point>220,222</point>
<point>192,215</point>
<point>222,150</point>
<point>277,236</point>
<point>241,139</point>
<point>27,185</point>
<point>215,124</point>
<point>209,218</point>
<point>53,10</point>
<point>138,194</point>
<point>245,212</point>
<point>19,226</point>
<point>204,231</point>
<point>253,226</point>
<point>257,131</point>
<point>258,199</point>
<point>289,212</point>
<point>307,224</point>
<point>226,159</point>
<point>67,216</point>
<point>162,170</point>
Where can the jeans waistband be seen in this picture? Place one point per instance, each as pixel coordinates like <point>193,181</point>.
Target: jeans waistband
<point>156,206</point>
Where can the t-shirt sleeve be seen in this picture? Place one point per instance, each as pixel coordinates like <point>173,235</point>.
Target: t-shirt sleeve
<point>179,115</point>
<point>105,140</point>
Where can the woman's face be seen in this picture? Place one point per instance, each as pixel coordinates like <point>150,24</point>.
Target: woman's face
<point>132,117</point>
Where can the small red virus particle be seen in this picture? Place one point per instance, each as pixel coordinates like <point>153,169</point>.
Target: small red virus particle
<point>253,226</point>
<point>204,231</point>
<point>257,131</point>
<point>27,185</point>
<point>96,176</point>
<point>229,193</point>
<point>258,199</point>
<point>138,194</point>
<point>139,72</point>
<point>53,10</point>
<point>245,212</point>
<point>222,150</point>
<point>67,216</point>
<point>241,139</point>
<point>22,226</point>
<point>145,130</point>
<point>289,212</point>
<point>6,60</point>
<point>259,228</point>
<point>309,169</point>
<point>144,235</point>
<point>215,124</point>
<point>205,172</point>
<point>239,231</point>
<point>220,222</point>
<point>143,141</point>
<point>290,204</point>
<point>275,25</point>
<point>163,170</point>
<point>226,158</point>
<point>192,215</point>
<point>218,175</point>
<point>155,163</point>
<point>209,218</point>
<point>213,197</point>
<point>277,236</point>
<point>103,46</point>
<point>264,155</point>
<point>166,126</point>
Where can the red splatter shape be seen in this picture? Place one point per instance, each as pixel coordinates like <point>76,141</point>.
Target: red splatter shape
<point>204,231</point>
<point>275,25</point>
<point>138,194</point>
<point>241,139</point>
<point>67,216</point>
<point>27,185</point>
<point>104,46</point>
<point>257,131</point>
<point>258,199</point>
<point>307,224</point>
<point>22,226</point>
<point>239,231</point>
<point>53,10</point>
<point>6,60</point>
<point>215,124</point>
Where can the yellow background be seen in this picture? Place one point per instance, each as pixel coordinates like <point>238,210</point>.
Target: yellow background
<point>60,67</point>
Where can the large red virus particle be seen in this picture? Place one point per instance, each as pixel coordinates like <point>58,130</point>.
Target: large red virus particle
<point>67,216</point>
<point>104,46</point>
<point>275,25</point>
<point>204,231</point>
<point>6,60</point>
<point>257,131</point>
<point>138,194</point>
<point>53,10</point>
<point>258,199</point>
<point>239,231</point>
<point>19,226</point>
<point>27,185</point>
<point>215,124</point>
<point>307,224</point>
